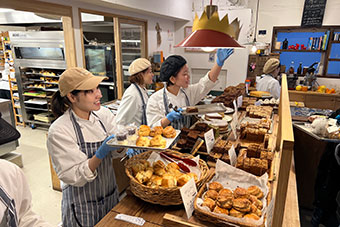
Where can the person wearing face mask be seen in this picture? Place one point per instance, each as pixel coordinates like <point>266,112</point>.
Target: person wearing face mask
<point>77,144</point>
<point>178,92</point>
<point>267,81</point>
<point>132,108</point>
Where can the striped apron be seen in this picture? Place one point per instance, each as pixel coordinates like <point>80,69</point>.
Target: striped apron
<point>11,214</point>
<point>144,120</point>
<point>87,205</point>
<point>186,120</point>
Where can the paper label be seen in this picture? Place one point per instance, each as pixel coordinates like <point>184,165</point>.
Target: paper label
<point>332,121</point>
<point>233,125</point>
<point>188,194</point>
<point>258,103</point>
<point>239,101</point>
<point>232,155</point>
<point>332,129</point>
<point>235,107</point>
<point>209,139</point>
<point>131,219</point>
<point>247,89</point>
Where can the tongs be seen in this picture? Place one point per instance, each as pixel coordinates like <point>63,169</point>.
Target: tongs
<point>187,161</point>
<point>181,165</point>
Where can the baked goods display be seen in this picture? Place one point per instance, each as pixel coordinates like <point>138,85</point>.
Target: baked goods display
<point>256,131</point>
<point>221,150</point>
<point>240,202</point>
<point>188,137</point>
<point>247,101</point>
<point>157,130</point>
<point>169,132</point>
<point>255,159</point>
<point>260,94</point>
<point>230,94</point>
<point>144,130</point>
<point>259,111</point>
<point>158,141</point>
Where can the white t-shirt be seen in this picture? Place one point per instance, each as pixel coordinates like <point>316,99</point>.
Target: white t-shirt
<point>269,84</point>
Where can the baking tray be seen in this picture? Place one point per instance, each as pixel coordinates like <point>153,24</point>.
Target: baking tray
<point>132,144</point>
<point>208,108</point>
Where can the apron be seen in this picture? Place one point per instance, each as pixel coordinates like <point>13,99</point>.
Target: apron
<point>87,205</point>
<point>181,123</point>
<point>144,121</point>
<point>11,213</point>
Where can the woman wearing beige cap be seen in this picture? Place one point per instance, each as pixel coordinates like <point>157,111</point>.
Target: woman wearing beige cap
<point>132,108</point>
<point>77,145</point>
<point>267,81</point>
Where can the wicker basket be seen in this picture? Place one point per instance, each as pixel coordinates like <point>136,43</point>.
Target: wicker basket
<point>213,218</point>
<point>162,196</point>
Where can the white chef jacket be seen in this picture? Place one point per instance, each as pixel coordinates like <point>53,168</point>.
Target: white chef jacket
<point>155,110</point>
<point>70,163</point>
<point>269,84</point>
<point>130,109</point>
<point>13,182</point>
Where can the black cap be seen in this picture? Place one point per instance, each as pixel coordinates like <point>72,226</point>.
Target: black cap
<point>7,132</point>
<point>171,67</point>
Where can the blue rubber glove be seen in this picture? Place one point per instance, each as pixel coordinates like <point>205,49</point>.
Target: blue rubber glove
<point>132,152</point>
<point>173,115</point>
<point>104,149</point>
<point>222,55</point>
<point>338,119</point>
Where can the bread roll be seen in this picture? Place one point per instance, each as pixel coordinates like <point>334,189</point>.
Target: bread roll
<point>171,165</point>
<point>183,179</point>
<point>158,141</point>
<point>193,175</point>
<point>225,192</point>
<point>258,203</point>
<point>157,130</point>
<point>143,141</point>
<point>255,191</point>
<point>138,167</point>
<point>159,168</point>
<point>236,213</point>
<point>225,201</point>
<point>255,210</point>
<point>169,132</point>
<point>220,210</point>
<point>215,186</point>
<point>241,193</point>
<point>168,181</point>
<point>155,181</point>
<point>144,130</point>
<point>209,203</point>
<point>251,216</point>
<point>242,204</point>
<point>212,194</point>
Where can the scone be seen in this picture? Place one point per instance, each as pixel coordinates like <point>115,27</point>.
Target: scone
<point>241,204</point>
<point>236,213</point>
<point>220,210</point>
<point>155,181</point>
<point>157,130</point>
<point>252,216</point>
<point>144,130</point>
<point>225,201</point>
<point>169,132</point>
<point>159,168</point>
<point>168,181</point>
<point>212,194</point>
<point>158,141</point>
<point>215,186</point>
<point>258,203</point>
<point>209,203</point>
<point>241,193</point>
<point>225,192</point>
<point>143,141</point>
<point>193,175</point>
<point>255,191</point>
<point>183,179</point>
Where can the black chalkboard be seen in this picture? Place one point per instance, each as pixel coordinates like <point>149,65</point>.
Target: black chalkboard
<point>313,12</point>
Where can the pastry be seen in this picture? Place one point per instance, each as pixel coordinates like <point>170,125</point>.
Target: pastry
<point>225,192</point>
<point>169,132</point>
<point>138,167</point>
<point>143,141</point>
<point>241,193</point>
<point>183,179</point>
<point>236,213</point>
<point>172,165</point>
<point>209,203</point>
<point>144,130</point>
<point>155,181</point>
<point>157,130</point>
<point>242,204</point>
<point>255,191</point>
<point>212,194</point>
<point>168,181</point>
<point>193,175</point>
<point>215,186</point>
<point>159,168</point>
<point>252,216</point>
<point>258,203</point>
<point>225,201</point>
<point>144,176</point>
<point>255,210</point>
<point>158,141</point>
<point>220,210</point>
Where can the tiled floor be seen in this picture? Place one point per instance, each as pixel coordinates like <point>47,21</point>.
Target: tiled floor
<point>46,201</point>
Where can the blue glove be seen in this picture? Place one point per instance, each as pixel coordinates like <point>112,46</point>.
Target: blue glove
<point>222,55</point>
<point>338,119</point>
<point>104,149</point>
<point>132,152</point>
<point>173,115</point>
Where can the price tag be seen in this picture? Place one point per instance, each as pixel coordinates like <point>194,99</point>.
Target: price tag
<point>209,139</point>
<point>232,155</point>
<point>131,219</point>
<point>233,126</point>
<point>258,103</point>
<point>332,129</point>
<point>247,92</point>
<point>235,108</point>
<point>188,194</point>
<point>239,101</point>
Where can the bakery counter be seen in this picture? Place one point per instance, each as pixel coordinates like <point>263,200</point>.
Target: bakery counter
<point>314,99</point>
<point>157,215</point>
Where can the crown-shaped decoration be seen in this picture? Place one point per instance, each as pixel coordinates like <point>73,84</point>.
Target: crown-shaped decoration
<point>214,23</point>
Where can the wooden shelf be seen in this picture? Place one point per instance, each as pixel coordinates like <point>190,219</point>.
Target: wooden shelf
<point>290,50</point>
<point>333,59</point>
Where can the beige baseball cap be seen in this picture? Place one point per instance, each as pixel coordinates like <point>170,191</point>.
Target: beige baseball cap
<point>76,78</point>
<point>139,65</point>
<point>271,65</point>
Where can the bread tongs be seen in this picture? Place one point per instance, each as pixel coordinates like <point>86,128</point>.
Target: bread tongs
<point>181,165</point>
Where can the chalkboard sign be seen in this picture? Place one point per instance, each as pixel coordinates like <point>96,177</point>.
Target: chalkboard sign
<point>313,13</point>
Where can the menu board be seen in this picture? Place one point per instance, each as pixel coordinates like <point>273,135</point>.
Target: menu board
<point>313,12</point>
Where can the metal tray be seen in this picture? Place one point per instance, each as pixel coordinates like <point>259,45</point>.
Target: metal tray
<point>208,108</point>
<point>132,144</point>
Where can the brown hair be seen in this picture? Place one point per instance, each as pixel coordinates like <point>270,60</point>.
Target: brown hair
<point>60,104</point>
<point>138,77</point>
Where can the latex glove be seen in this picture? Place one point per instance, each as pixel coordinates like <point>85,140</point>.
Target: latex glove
<point>222,55</point>
<point>104,149</point>
<point>338,119</point>
<point>173,115</point>
<point>132,152</point>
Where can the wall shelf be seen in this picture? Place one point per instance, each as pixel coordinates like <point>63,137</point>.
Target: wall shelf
<point>291,50</point>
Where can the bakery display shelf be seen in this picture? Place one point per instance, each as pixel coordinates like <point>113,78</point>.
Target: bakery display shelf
<point>37,96</point>
<point>307,129</point>
<point>204,109</point>
<point>40,74</point>
<point>34,108</point>
<point>50,83</point>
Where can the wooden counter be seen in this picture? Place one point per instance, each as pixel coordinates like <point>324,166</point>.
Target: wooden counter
<point>153,214</point>
<point>314,99</point>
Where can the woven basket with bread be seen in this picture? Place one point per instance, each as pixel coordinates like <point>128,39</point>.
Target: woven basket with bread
<point>159,182</point>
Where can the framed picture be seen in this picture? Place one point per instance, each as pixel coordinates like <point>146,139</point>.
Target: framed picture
<point>187,32</point>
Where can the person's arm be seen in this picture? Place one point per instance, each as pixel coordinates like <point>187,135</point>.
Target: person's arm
<point>221,56</point>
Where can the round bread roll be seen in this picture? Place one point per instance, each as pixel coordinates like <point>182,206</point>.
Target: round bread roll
<point>252,216</point>
<point>212,194</point>
<point>236,213</point>
<point>215,186</point>
<point>258,203</point>
<point>144,130</point>
<point>143,141</point>
<point>158,141</point>
<point>226,192</point>
<point>193,175</point>
<point>168,181</point>
<point>183,179</point>
<point>157,130</point>
<point>155,181</point>
<point>242,204</point>
<point>255,210</point>
<point>225,201</point>
<point>220,210</point>
<point>241,193</point>
<point>256,191</point>
<point>172,165</point>
<point>209,203</point>
<point>169,132</point>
